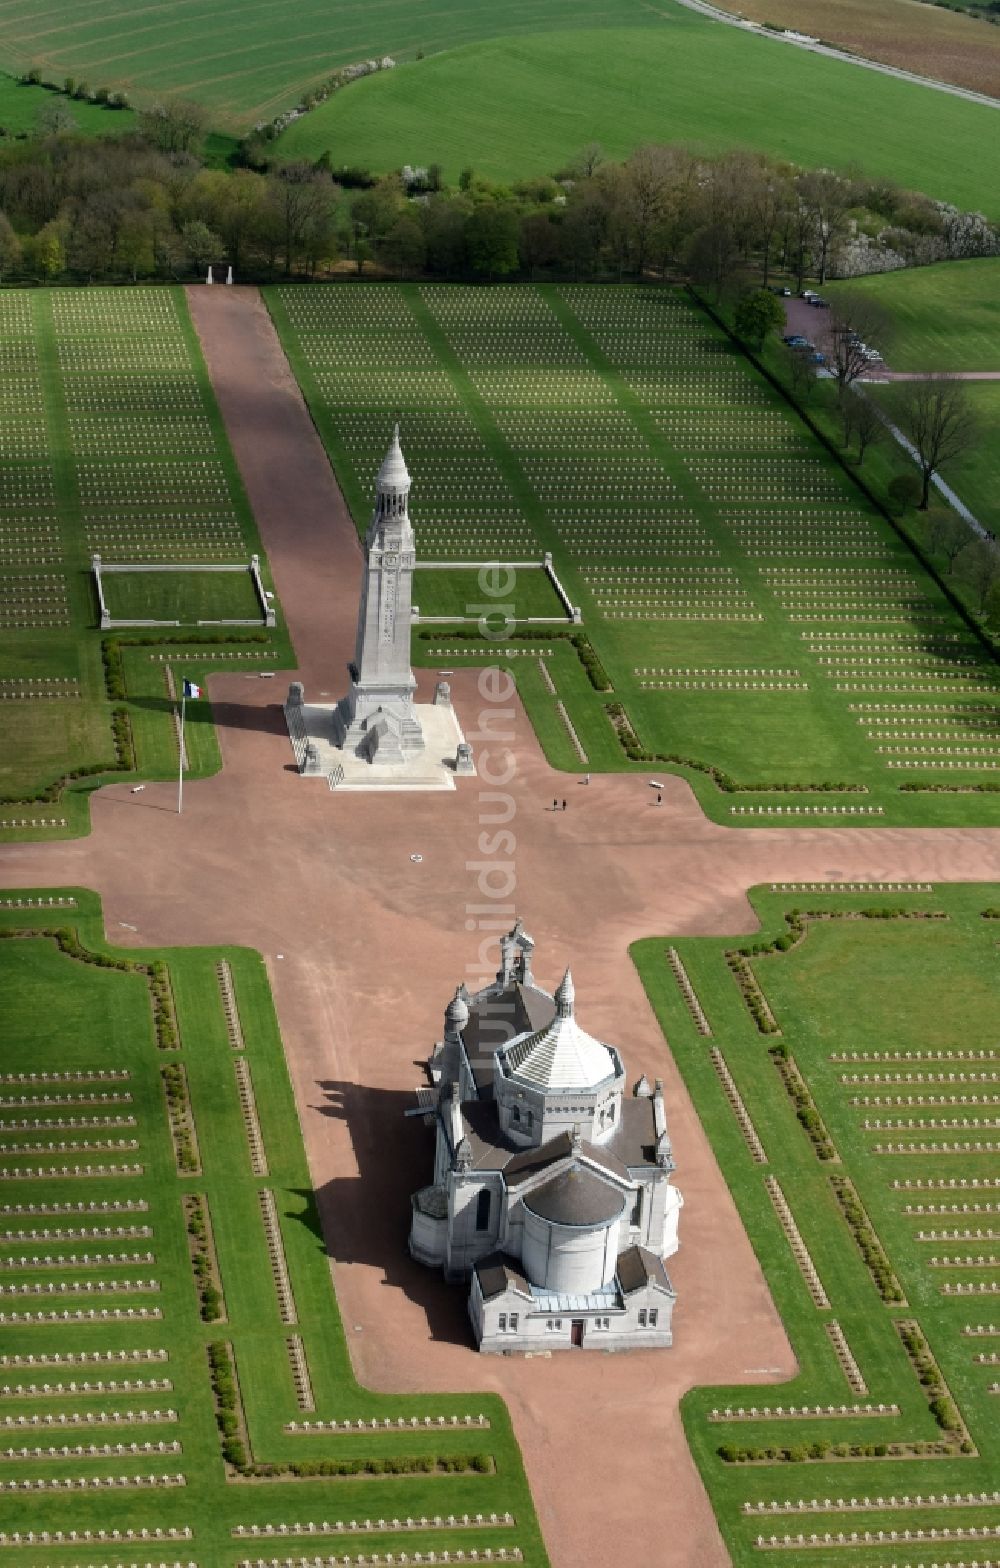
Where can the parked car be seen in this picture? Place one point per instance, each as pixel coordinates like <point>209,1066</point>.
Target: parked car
<point>794,340</point>
<point>781,290</point>
<point>817,358</point>
<point>818,301</point>
<point>808,294</point>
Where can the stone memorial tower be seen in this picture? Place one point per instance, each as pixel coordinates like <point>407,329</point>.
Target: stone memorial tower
<point>377,720</point>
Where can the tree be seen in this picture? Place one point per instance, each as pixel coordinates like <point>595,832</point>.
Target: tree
<point>947,534</point>
<point>48,252</point>
<point>55,118</point>
<point>404,247</point>
<point>10,247</point>
<point>904,491</point>
<point>936,417</point>
<point>491,233</point>
<point>174,126</point>
<point>758,313</point>
<point>979,564</point>
<point>588,160</point>
<point>860,417</point>
<point>303,203</point>
<point>768,200</point>
<point>851,321</point>
<point>827,199</point>
<point>203,245</point>
<point>538,242</point>
<point>803,372</point>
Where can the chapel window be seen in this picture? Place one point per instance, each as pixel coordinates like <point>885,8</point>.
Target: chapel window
<point>483,1205</point>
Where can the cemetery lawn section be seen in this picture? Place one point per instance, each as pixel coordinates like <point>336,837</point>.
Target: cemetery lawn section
<point>847,1073</point>
<point>945,317</point>
<point>248,63</point>
<point>111,442</point>
<point>147,1123</point>
<point>189,597</point>
<point>749,619</point>
<point>456,593</point>
<point>514,107</point>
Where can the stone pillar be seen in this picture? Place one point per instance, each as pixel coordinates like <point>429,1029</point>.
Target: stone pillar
<point>296,695</point>
<point>442,695</point>
<point>464,764</point>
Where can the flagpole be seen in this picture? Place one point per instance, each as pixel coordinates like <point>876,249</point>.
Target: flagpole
<point>180,767</point>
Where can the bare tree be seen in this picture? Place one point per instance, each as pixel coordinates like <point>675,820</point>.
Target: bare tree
<point>979,563</point>
<point>947,534</point>
<point>861,420</point>
<point>769,207</point>
<point>936,416</point>
<point>827,199</point>
<point>853,318</point>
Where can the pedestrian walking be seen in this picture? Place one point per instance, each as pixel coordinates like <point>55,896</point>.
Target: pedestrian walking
<point>659,800</point>
<point>555,805</point>
<point>564,805</point>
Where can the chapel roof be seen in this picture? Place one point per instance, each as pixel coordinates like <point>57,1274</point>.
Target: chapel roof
<point>576,1196</point>
<point>561,1055</point>
<point>499,1272</point>
<point>638,1267</point>
<point>497,1015</point>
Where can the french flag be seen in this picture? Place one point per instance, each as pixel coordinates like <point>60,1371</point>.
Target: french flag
<point>191,690</point>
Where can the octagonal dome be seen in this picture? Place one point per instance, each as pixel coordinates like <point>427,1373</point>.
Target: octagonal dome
<point>562,1055</point>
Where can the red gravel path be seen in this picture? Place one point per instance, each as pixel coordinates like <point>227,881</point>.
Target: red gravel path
<point>363,947</point>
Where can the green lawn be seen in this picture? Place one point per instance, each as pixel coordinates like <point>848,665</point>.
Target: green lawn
<point>110,441</point>
<point>945,317</point>
<point>21,104</point>
<point>188,597</point>
<point>66,1016</point>
<point>248,62</point>
<point>759,621</point>
<point>512,107</point>
<point>916,999</point>
<point>496,595</point>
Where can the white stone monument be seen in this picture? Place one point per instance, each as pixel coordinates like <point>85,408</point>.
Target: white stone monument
<point>377,737</point>
<point>377,718</point>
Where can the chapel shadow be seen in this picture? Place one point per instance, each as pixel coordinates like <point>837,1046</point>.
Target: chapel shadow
<point>365,1218</point>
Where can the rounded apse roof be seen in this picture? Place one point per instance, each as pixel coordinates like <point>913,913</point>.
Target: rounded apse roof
<point>576,1197</point>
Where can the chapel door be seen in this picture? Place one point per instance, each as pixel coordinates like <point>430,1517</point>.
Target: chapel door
<point>576,1332</point>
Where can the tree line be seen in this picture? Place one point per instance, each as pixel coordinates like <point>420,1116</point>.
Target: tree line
<point>146,204</point>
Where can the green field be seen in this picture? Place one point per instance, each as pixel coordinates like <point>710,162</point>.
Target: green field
<point>111,441</point>
<point>887,1038</point>
<point>21,104</point>
<point>753,612</point>
<point>248,62</point>
<point>124,1277</point>
<point>945,317</point>
<point>187,597</point>
<point>514,107</point>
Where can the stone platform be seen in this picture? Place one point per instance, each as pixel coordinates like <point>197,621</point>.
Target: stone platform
<point>434,767</point>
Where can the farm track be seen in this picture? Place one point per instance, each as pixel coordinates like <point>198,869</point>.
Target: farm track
<point>363,947</point>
